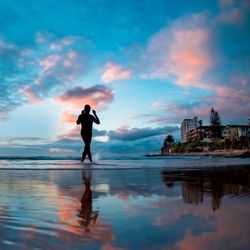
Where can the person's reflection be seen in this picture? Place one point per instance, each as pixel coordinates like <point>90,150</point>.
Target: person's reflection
<point>87,215</point>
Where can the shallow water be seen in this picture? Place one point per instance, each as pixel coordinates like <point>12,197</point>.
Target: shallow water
<point>173,162</point>
<point>94,207</point>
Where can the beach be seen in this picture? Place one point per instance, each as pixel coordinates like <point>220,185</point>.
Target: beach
<point>144,203</point>
<point>228,153</point>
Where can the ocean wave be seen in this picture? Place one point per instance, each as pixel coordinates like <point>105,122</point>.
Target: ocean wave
<point>48,163</point>
<point>38,158</point>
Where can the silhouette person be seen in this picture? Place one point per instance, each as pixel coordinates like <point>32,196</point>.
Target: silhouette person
<point>86,213</point>
<point>86,120</point>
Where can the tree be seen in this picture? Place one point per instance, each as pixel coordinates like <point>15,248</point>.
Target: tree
<point>168,140</point>
<point>215,123</point>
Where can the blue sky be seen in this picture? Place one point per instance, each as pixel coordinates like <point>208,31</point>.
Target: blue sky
<point>143,65</point>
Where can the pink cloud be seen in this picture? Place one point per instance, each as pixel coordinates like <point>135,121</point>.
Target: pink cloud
<point>226,3</point>
<point>50,61</point>
<point>187,59</point>
<point>52,64</point>
<point>32,97</point>
<point>2,116</point>
<point>232,16</point>
<point>180,53</point>
<point>66,63</point>
<point>114,72</point>
<point>232,102</point>
<point>176,112</point>
<point>233,12</point>
<point>56,46</point>
<point>97,97</point>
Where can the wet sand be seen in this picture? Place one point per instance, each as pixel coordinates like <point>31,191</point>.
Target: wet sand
<point>125,209</point>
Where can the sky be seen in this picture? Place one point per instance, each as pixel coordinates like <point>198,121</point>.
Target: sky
<point>144,66</point>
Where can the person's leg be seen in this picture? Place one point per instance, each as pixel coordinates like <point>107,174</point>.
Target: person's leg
<point>84,153</point>
<point>89,155</point>
<point>87,143</point>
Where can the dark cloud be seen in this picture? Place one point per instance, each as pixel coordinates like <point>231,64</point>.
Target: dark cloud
<point>74,133</point>
<point>96,96</point>
<point>128,142</point>
<point>133,134</point>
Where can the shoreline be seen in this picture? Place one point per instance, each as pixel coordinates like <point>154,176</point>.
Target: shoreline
<point>218,153</point>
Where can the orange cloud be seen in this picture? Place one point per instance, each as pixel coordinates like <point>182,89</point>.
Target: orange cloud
<point>73,133</point>
<point>114,72</point>
<point>68,118</point>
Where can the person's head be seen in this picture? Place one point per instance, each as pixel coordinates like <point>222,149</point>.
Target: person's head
<point>87,109</point>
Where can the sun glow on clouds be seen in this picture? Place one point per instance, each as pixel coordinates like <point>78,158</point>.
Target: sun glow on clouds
<point>60,150</point>
<point>188,59</point>
<point>104,138</point>
<point>66,117</point>
<point>114,72</point>
<point>180,53</point>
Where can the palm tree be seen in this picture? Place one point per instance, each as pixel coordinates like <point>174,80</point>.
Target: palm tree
<point>168,140</point>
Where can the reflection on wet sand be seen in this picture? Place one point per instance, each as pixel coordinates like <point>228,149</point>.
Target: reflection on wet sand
<point>114,209</point>
<point>216,182</point>
<point>86,214</point>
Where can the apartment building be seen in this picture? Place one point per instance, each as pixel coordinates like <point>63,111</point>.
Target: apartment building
<point>186,126</point>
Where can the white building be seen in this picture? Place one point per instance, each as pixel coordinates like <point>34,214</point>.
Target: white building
<point>234,132</point>
<point>186,126</point>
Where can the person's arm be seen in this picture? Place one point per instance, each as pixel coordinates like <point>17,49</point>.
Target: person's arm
<point>96,119</point>
<point>78,120</point>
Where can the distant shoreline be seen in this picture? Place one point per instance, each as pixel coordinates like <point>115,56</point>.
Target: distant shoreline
<point>218,153</point>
